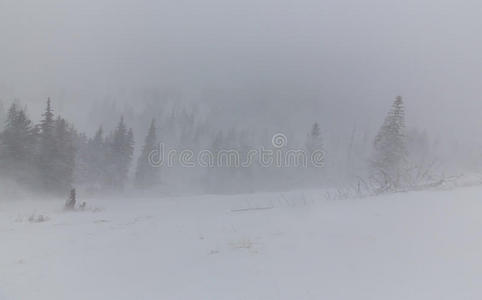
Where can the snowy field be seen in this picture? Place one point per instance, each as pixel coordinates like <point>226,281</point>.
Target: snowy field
<point>421,245</point>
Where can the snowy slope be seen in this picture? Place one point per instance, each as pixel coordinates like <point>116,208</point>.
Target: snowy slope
<point>424,245</point>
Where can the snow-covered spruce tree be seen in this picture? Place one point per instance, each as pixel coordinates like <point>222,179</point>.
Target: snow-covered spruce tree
<point>90,160</point>
<point>16,137</point>
<point>64,159</point>
<point>93,160</point>
<point>55,152</point>
<point>119,156</point>
<point>96,158</point>
<point>46,149</point>
<point>390,151</point>
<point>17,146</point>
<point>147,175</point>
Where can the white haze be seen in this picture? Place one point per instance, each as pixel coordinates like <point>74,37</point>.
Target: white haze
<point>340,62</point>
<point>84,214</point>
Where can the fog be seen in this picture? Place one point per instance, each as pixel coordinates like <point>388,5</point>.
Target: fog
<point>261,65</point>
<point>240,149</point>
<point>336,53</point>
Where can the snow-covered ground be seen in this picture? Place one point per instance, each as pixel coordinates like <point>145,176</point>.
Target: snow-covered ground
<point>420,245</point>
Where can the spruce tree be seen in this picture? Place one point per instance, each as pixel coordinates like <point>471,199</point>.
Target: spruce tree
<point>17,145</point>
<point>48,123</point>
<point>146,174</point>
<point>64,158</point>
<point>10,142</point>
<point>97,154</point>
<point>121,149</point>
<point>390,151</point>
<point>46,150</point>
<point>56,152</point>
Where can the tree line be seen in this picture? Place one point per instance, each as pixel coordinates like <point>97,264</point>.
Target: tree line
<point>53,156</point>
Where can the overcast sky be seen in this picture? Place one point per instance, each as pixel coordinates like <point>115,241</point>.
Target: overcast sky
<point>347,57</point>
